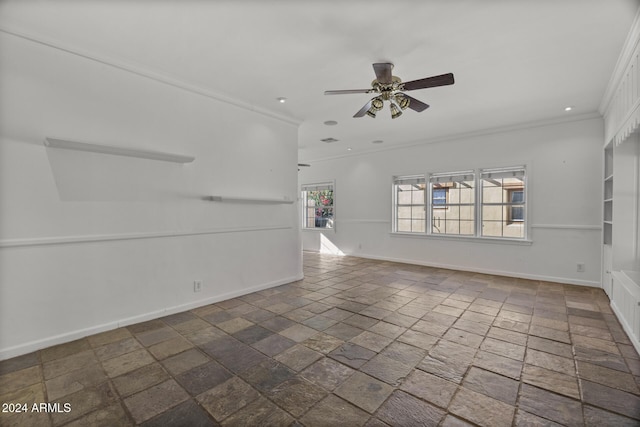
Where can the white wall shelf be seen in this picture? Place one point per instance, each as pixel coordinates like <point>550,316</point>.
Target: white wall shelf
<point>257,200</point>
<point>117,151</point>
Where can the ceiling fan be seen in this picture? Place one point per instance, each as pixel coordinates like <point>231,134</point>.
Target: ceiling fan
<point>390,88</point>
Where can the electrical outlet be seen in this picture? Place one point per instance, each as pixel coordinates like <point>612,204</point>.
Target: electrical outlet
<point>580,267</point>
<point>197,285</point>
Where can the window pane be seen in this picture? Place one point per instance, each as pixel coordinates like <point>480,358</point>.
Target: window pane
<point>409,204</point>
<point>404,197</point>
<point>404,212</point>
<point>404,225</point>
<point>492,228</point>
<point>437,226</point>
<point>317,206</point>
<point>467,228</point>
<point>492,193</point>
<point>492,213</point>
<point>503,203</point>
<point>514,230</point>
<point>466,195</point>
<point>324,217</point>
<point>417,226</point>
<point>417,212</point>
<point>452,210</point>
<point>417,196</point>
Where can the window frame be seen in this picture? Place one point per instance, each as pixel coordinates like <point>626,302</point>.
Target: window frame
<point>396,181</point>
<point>502,173</point>
<point>452,180</point>
<point>478,204</point>
<point>304,188</point>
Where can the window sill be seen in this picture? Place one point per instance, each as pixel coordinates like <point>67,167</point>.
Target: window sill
<point>319,229</point>
<point>498,240</point>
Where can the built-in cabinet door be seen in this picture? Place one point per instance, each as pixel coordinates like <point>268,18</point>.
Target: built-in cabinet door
<point>607,263</point>
<point>625,303</point>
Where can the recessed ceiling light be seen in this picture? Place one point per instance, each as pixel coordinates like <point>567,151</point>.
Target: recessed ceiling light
<point>377,141</point>
<point>330,123</point>
<point>282,100</point>
<point>349,149</point>
<point>569,108</point>
<point>328,140</point>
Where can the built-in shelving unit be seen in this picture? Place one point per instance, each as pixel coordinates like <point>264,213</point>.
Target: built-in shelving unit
<point>621,234</point>
<point>607,228</point>
<point>620,108</point>
<point>607,220</point>
<point>117,151</point>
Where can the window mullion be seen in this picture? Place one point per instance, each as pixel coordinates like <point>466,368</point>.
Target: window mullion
<point>478,211</point>
<point>427,205</point>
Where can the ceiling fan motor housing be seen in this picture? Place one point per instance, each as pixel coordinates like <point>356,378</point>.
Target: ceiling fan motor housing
<point>387,89</point>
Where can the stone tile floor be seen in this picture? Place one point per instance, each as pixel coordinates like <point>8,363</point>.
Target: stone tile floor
<point>357,342</point>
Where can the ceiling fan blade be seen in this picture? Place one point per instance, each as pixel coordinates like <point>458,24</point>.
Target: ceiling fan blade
<point>383,72</point>
<point>415,104</point>
<point>347,91</point>
<point>363,110</point>
<point>442,80</point>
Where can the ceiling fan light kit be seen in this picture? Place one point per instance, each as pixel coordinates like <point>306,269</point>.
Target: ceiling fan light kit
<point>390,88</point>
<point>395,111</point>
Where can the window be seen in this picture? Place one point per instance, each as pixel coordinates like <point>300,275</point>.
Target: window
<point>409,204</point>
<point>457,214</point>
<point>474,203</point>
<point>503,202</point>
<point>317,206</point>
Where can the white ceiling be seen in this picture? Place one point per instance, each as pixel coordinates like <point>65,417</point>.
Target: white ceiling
<point>514,61</point>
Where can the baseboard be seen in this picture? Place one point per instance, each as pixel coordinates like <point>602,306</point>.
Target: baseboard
<point>31,346</point>
<point>561,280</point>
<point>35,345</point>
<point>625,326</point>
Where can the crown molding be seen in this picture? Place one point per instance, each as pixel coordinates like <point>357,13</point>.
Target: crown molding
<point>145,73</point>
<point>463,135</point>
<point>626,55</point>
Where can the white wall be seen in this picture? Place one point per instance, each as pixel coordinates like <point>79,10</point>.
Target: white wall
<point>637,245</point>
<point>564,166</point>
<point>89,242</point>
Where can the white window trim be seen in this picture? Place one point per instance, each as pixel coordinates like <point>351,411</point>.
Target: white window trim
<point>332,183</point>
<point>429,202</point>
<point>477,237</point>
<point>463,238</point>
<point>394,198</point>
<point>526,221</point>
